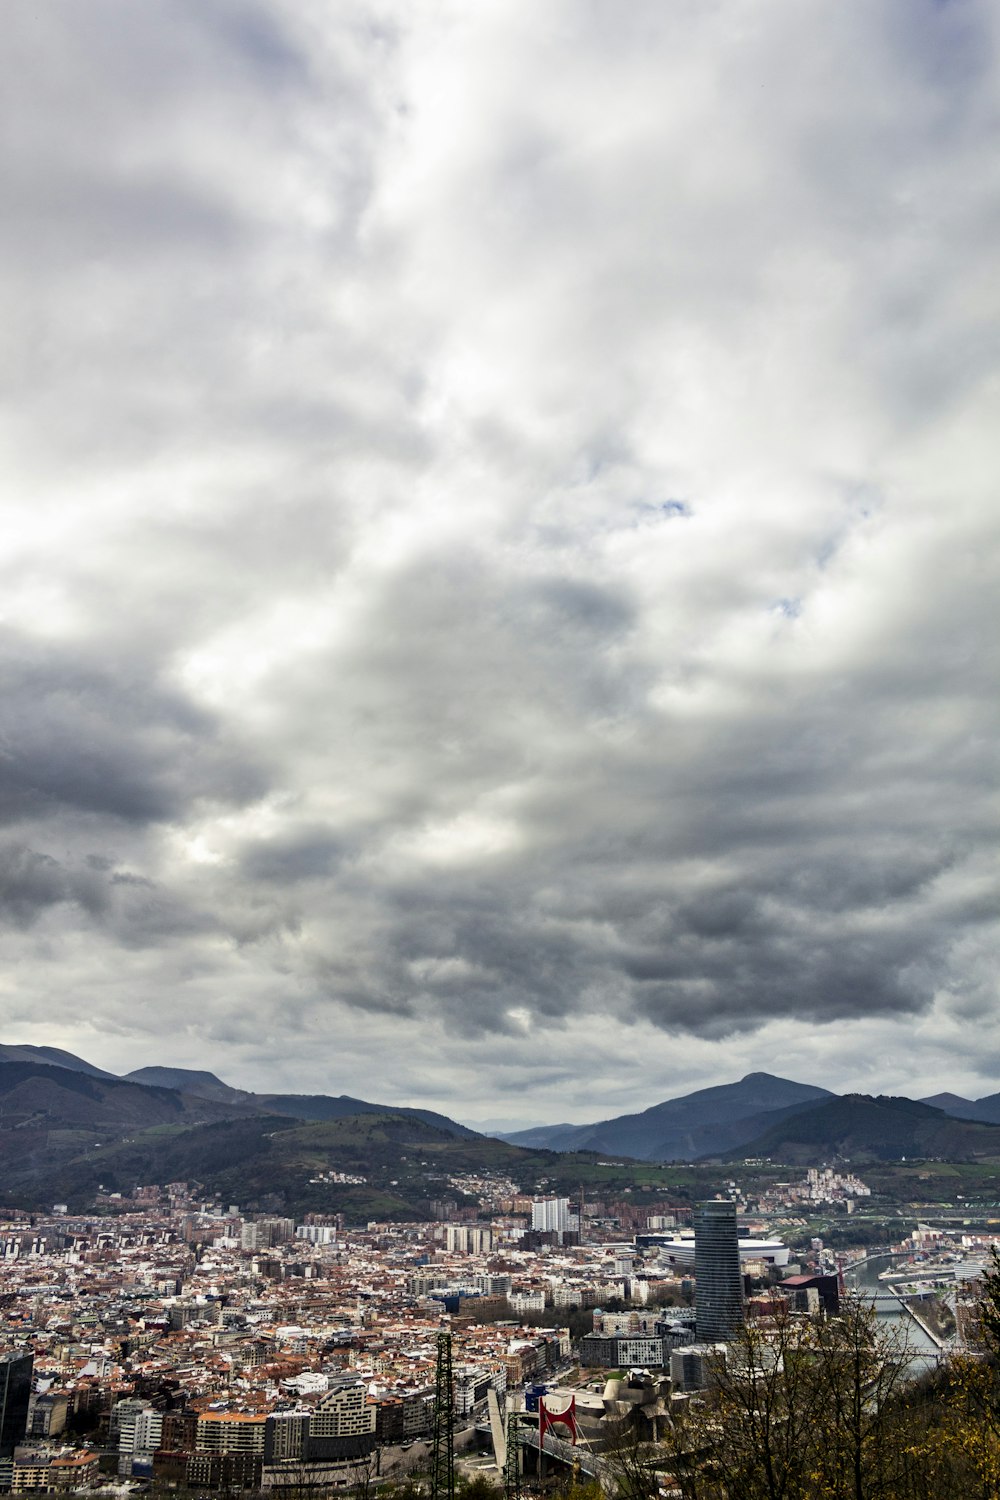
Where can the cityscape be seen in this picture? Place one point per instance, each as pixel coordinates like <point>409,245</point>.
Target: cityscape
<point>168,1341</point>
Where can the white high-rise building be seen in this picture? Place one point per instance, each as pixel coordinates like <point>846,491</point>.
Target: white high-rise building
<point>552,1215</point>
<point>139,1427</point>
<point>468,1239</point>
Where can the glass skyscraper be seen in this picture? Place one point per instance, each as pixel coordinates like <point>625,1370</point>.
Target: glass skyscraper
<point>717,1273</point>
<point>15,1393</point>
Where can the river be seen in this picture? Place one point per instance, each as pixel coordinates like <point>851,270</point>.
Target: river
<point>863,1279</point>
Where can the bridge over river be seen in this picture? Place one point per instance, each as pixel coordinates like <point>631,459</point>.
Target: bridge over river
<point>863,1277</point>
<point>558,1449</point>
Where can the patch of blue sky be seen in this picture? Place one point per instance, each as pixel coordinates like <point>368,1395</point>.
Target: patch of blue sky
<point>666,507</point>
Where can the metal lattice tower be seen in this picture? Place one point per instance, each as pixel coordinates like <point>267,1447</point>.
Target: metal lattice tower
<point>443,1457</point>
<point>512,1467</point>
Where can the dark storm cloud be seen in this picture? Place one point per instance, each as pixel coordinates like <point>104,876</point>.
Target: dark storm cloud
<point>80,736</point>
<point>722,964</point>
<point>307,856</point>
<point>126,909</point>
<point>31,883</point>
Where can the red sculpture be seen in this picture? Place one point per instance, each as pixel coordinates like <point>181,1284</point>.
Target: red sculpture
<point>548,1419</point>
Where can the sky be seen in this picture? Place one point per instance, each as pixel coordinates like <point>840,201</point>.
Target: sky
<point>500,545</point>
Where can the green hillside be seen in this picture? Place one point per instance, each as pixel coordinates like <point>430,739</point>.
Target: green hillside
<point>860,1128</point>
<point>272,1161</point>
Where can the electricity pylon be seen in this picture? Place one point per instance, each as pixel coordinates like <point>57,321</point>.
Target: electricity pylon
<point>443,1454</point>
<point>512,1467</point>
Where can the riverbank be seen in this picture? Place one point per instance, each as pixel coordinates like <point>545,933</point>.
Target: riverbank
<point>922,1323</point>
<point>863,1278</point>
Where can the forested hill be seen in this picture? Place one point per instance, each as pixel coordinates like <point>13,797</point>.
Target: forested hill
<point>862,1127</point>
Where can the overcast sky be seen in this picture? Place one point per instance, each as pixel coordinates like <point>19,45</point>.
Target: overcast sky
<point>500,544</point>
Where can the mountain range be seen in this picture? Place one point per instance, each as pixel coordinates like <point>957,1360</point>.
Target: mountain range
<point>987,1109</point>
<point>68,1128</point>
<point>752,1117</point>
<point>862,1129</point>
<point>709,1121</point>
<point>73,1133</point>
<point>201,1096</point>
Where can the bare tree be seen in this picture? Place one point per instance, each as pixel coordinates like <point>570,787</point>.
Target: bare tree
<point>798,1409</point>
<point>628,1462</point>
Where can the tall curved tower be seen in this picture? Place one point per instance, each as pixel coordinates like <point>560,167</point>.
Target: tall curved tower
<point>717,1273</point>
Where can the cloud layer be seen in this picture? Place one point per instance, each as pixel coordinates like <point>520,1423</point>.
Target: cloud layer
<point>498,596</point>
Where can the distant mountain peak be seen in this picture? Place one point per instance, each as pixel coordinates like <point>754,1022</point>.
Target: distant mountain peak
<point>867,1127</point>
<point>987,1110</point>
<point>197,1081</point>
<point>52,1057</point>
<point>683,1128</point>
